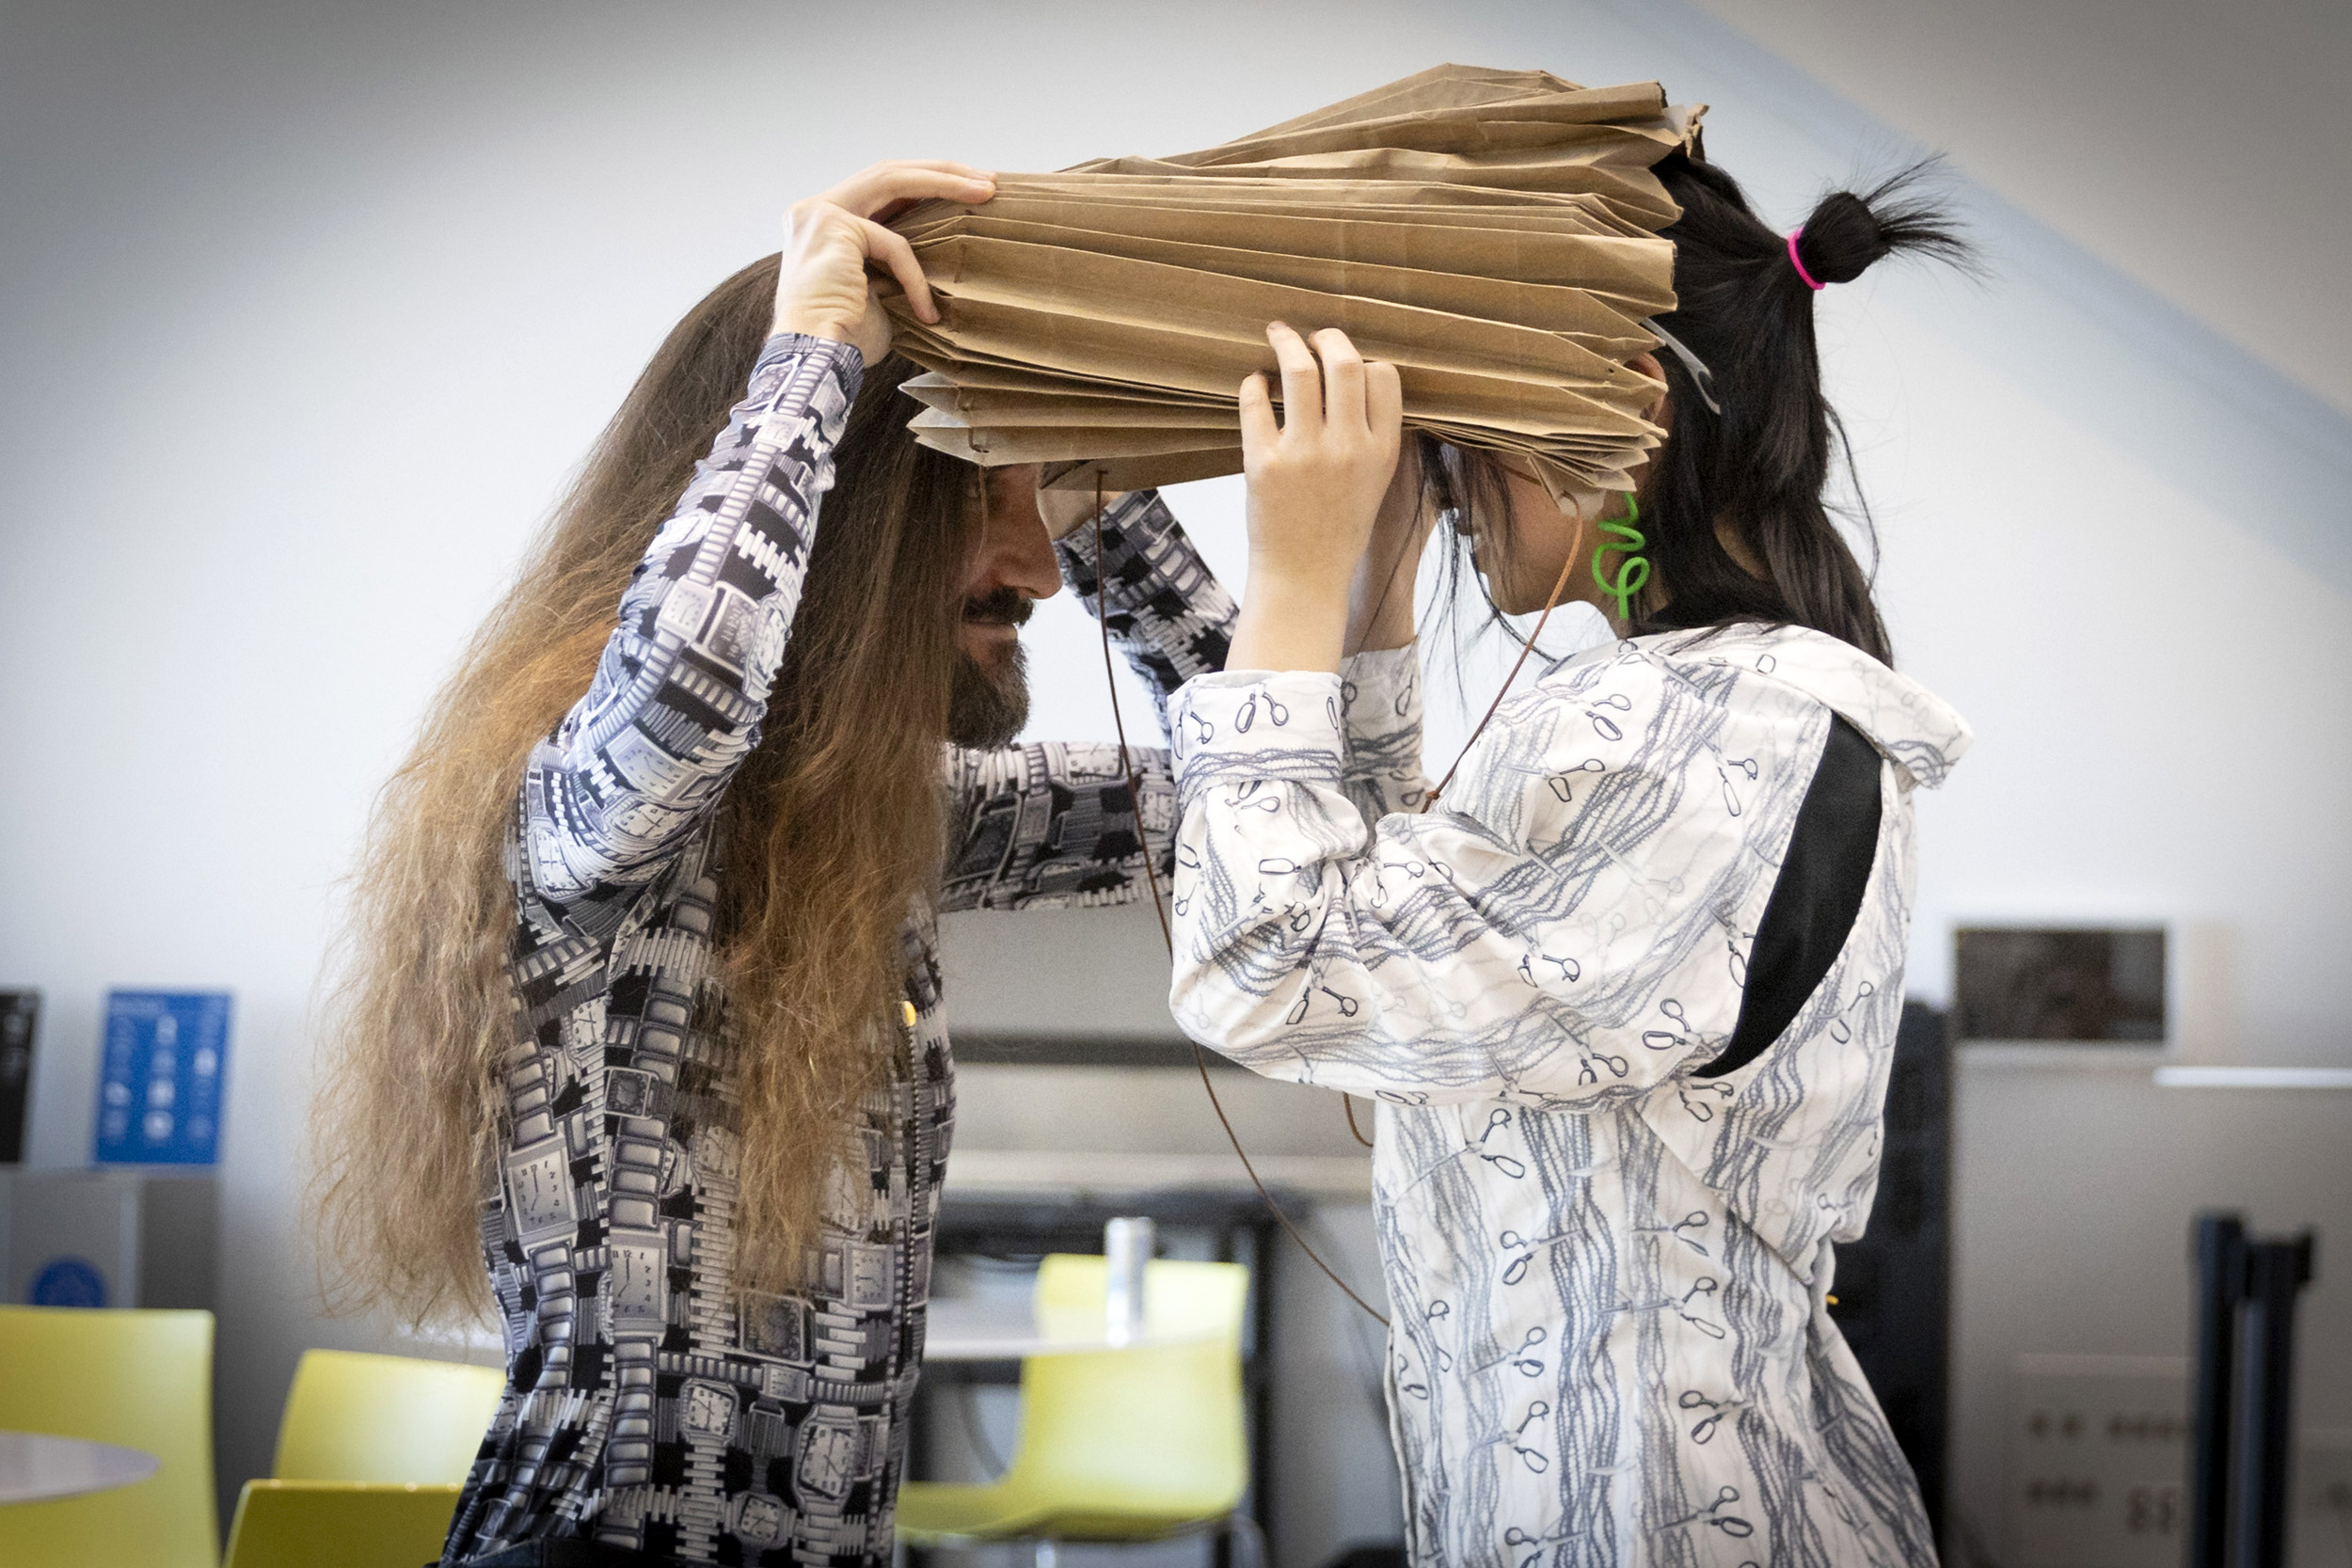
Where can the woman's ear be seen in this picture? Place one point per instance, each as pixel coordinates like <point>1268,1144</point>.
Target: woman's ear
<point>1660,409</point>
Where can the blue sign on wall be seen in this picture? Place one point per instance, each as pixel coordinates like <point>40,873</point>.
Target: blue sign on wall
<point>160,1091</point>
<point>67,1282</point>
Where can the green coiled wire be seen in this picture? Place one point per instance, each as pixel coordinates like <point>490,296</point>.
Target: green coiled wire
<point>1633,571</point>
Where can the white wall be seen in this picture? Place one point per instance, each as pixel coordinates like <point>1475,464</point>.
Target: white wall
<point>2076,1186</point>
<point>309,311</point>
<point>2172,137</point>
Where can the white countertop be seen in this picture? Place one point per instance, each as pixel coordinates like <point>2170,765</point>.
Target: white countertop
<point>1022,1172</point>
<point>37,1467</point>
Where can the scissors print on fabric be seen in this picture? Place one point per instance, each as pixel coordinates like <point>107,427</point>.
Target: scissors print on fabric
<point>1437,1312</point>
<point>1841,1028</point>
<point>1519,1356</point>
<point>1514,1536</point>
<point>1585,1073</point>
<point>1716,1409</point>
<point>1602,723</point>
<point>1568,970</point>
<point>1714,1517</point>
<point>1274,712</point>
<point>1188,875</point>
<point>1724,767</point>
<point>1682,1034</point>
<point>1512,1241</point>
<point>1701,1109</point>
<point>1694,1220</point>
<point>1558,783</point>
<point>1707,1286</point>
<point>1535,1459</point>
<point>1348,1005</point>
<point>1412,1390</point>
<point>1510,1165</point>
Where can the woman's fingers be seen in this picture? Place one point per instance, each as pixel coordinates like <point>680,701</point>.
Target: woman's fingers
<point>1302,378</point>
<point>870,190</point>
<point>1258,429</point>
<point>1384,401</point>
<point>896,258</point>
<point>1343,380</point>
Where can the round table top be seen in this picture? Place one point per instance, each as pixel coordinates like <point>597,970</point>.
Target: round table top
<point>37,1467</point>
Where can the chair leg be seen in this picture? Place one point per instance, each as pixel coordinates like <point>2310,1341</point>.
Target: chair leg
<point>1243,1525</point>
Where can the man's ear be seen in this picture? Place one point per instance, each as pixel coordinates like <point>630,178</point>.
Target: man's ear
<point>1660,409</point>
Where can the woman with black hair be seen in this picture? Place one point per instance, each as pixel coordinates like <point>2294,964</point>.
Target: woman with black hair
<point>1627,995</point>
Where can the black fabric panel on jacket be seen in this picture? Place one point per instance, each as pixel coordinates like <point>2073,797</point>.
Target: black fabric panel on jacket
<point>1814,904</point>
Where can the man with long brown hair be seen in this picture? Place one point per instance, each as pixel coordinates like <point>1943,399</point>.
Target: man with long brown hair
<point>643,1005</point>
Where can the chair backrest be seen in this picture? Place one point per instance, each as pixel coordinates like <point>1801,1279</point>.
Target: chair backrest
<point>1154,1428</point>
<point>306,1524</point>
<point>384,1418</point>
<point>140,1379</point>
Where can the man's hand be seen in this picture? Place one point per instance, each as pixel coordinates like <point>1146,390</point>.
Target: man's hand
<point>1316,481</point>
<point>822,289</point>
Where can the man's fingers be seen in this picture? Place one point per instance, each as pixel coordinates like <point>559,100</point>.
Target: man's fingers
<point>1342,379</point>
<point>1302,378</point>
<point>897,257</point>
<point>1258,429</point>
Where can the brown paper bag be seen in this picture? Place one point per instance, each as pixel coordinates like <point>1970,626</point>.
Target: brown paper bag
<point>1492,233</point>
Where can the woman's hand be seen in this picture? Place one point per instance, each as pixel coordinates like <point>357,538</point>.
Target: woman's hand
<point>822,289</point>
<point>1316,483</point>
<point>1380,601</point>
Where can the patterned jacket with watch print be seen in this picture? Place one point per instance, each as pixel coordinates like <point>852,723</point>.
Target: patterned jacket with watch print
<point>651,1406</point>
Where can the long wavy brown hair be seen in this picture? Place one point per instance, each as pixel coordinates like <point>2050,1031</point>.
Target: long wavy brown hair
<point>828,834</point>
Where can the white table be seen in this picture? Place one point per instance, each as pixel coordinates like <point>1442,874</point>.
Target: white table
<point>37,1467</point>
<point>965,1330</point>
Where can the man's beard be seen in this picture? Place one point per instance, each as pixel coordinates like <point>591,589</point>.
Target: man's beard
<point>988,701</point>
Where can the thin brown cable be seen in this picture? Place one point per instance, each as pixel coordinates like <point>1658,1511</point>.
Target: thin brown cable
<point>1152,878</point>
<point>1347,1102</point>
<point>1559,587</point>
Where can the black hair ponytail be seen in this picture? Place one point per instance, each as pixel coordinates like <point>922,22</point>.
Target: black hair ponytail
<point>1751,450</point>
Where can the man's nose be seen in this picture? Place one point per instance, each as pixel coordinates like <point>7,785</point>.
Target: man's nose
<point>1020,556</point>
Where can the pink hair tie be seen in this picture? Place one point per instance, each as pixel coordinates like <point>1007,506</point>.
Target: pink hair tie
<point>1799,264</point>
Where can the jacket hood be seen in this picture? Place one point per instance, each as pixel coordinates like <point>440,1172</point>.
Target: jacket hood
<point>1915,728</point>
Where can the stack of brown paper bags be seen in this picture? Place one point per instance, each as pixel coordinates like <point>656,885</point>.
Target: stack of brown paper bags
<point>1493,234</point>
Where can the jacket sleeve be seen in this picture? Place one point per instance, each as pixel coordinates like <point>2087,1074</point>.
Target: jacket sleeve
<point>1380,703</point>
<point>1167,612</point>
<point>1530,941</point>
<point>641,761</point>
<point>1051,824</point>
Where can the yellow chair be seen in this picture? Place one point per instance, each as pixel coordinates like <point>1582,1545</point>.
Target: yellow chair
<point>140,1379</point>
<point>384,1418</point>
<point>338,1524</point>
<point>371,1452</point>
<point>1138,1443</point>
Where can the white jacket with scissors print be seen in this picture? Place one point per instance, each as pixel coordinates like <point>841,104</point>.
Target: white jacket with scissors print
<point>1606,1224</point>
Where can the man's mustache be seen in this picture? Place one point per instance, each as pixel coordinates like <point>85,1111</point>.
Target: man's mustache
<point>1005,607</point>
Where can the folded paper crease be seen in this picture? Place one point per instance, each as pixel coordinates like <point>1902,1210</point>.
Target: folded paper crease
<point>1492,233</point>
